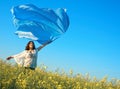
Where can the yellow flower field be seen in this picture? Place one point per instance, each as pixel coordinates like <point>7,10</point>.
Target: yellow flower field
<point>14,77</point>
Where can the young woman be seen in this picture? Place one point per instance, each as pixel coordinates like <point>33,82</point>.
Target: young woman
<point>28,58</point>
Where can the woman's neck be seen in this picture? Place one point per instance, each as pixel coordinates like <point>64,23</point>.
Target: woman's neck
<point>31,49</point>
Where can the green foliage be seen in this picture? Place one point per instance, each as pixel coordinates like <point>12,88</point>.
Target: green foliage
<point>14,77</point>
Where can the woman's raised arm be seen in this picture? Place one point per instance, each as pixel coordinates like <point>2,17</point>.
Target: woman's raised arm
<point>39,48</point>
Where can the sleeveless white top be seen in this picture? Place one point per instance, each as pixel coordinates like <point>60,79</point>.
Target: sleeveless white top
<point>27,58</point>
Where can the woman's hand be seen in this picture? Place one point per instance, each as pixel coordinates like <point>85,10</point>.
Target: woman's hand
<point>49,42</point>
<point>9,58</point>
<point>39,48</point>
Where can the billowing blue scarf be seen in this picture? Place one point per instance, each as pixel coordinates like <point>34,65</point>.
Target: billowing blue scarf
<point>40,24</point>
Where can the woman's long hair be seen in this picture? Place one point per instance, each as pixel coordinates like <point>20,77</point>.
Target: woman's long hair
<point>27,46</point>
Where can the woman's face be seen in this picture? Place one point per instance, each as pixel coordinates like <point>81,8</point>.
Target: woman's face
<point>31,45</point>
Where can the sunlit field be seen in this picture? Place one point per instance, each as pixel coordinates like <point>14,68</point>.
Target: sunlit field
<point>14,77</point>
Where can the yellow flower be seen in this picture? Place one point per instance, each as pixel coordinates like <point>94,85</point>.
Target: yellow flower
<point>59,87</point>
<point>86,84</point>
<point>97,84</point>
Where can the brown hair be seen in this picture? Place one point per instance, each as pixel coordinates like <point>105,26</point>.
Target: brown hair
<point>27,46</point>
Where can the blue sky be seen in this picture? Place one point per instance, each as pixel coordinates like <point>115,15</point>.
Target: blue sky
<point>91,44</point>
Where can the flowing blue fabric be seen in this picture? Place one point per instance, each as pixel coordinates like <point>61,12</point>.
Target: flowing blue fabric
<point>41,24</point>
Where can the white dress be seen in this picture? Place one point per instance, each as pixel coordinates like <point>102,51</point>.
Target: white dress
<point>26,58</point>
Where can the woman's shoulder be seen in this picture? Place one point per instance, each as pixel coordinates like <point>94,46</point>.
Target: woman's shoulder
<point>25,51</point>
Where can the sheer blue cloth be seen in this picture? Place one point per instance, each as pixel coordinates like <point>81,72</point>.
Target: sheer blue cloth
<point>40,24</point>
